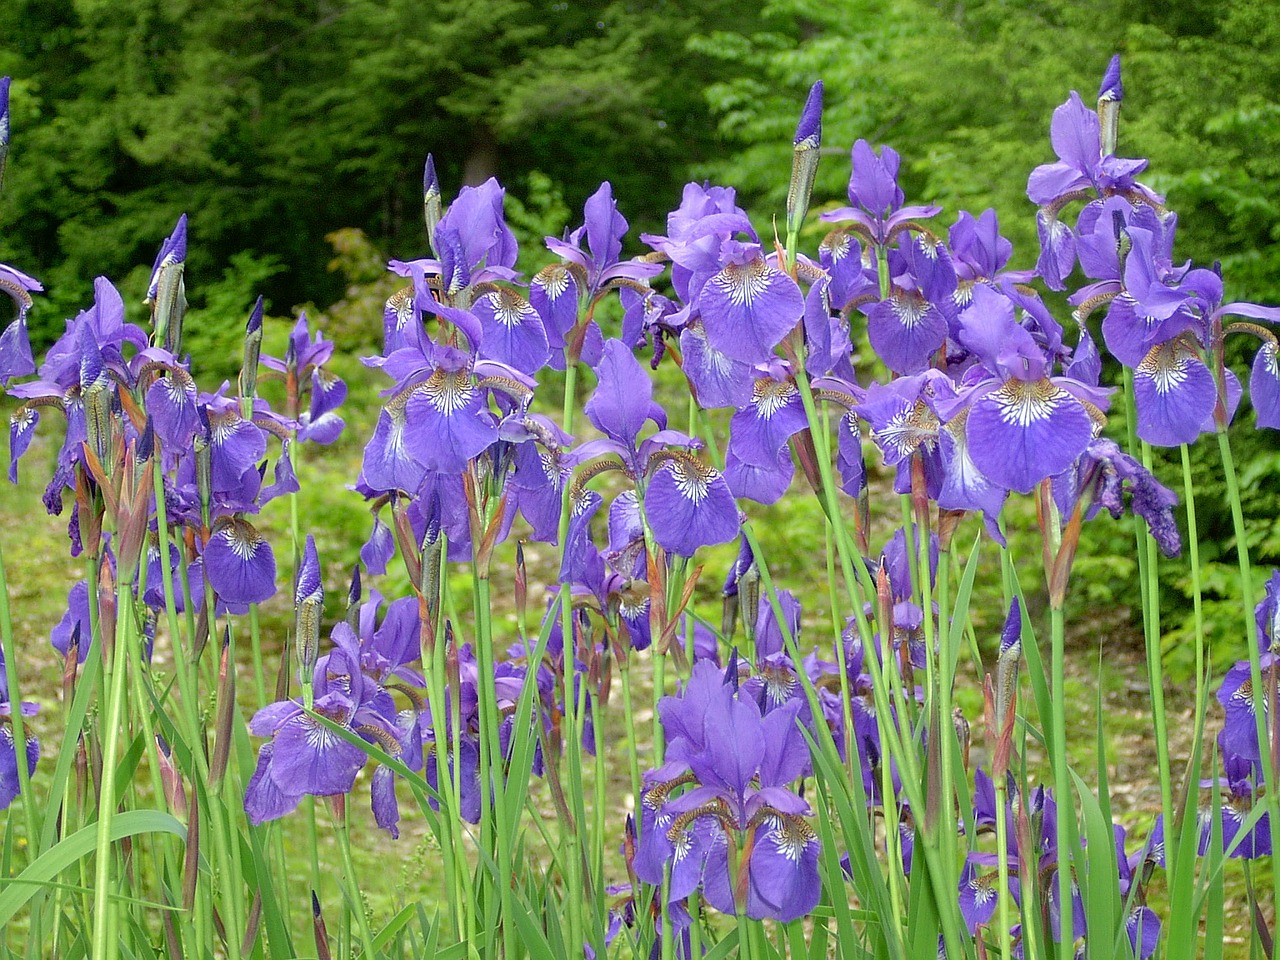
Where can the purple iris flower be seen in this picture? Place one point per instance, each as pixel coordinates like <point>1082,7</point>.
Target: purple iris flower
<point>979,254</point>
<point>1240,702</point>
<point>904,423</point>
<point>1158,301</point>
<point>447,418</point>
<point>513,331</point>
<point>603,230</point>
<point>1082,169</point>
<point>979,889</point>
<point>1103,473</point>
<point>738,763</point>
<point>15,348</point>
<point>239,562</point>
<point>352,685</point>
<point>907,327</point>
<point>761,428</point>
<point>1264,382</point>
<point>749,305</point>
<point>1237,805</point>
<point>1076,135</point>
<point>9,783</point>
<point>876,197</point>
<point>543,465</point>
<point>74,624</point>
<point>473,243</point>
<point>1023,425</point>
<point>687,502</point>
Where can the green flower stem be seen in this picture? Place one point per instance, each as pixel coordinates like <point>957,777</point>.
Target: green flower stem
<point>456,877</point>
<point>628,717</point>
<point>1270,797</point>
<point>1065,806</point>
<point>1155,674</point>
<point>1002,867</point>
<point>495,771</point>
<point>572,838</point>
<point>255,642</point>
<point>356,903</point>
<point>115,669</point>
<point>16,718</point>
<point>1197,590</point>
<point>599,719</point>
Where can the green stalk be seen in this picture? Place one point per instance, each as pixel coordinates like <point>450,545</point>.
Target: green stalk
<point>1062,786</point>
<point>1002,865</point>
<point>341,830</point>
<point>572,839</point>
<point>16,718</point>
<point>495,770</point>
<point>116,668</point>
<point>628,717</point>
<point>255,641</point>
<point>1271,797</point>
<point>1155,673</point>
<point>1193,551</point>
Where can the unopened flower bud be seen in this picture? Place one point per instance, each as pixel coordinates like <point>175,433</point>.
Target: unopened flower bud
<point>308,604</point>
<point>252,350</point>
<point>804,161</point>
<point>431,200</point>
<point>1110,94</point>
<point>167,291</point>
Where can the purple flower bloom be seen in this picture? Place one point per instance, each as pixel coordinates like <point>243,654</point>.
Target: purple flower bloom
<point>239,563</point>
<point>1023,426</point>
<point>748,306</point>
<point>513,331</point>
<point>9,782</point>
<point>690,505</point>
<point>1077,140</point>
<point>15,349</point>
<point>603,231</point>
<point>908,326</point>
<point>760,429</point>
<point>1102,474</point>
<point>740,763</point>
<point>447,419</point>
<point>876,197</point>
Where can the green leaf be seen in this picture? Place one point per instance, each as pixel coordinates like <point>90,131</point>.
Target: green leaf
<point>80,844</point>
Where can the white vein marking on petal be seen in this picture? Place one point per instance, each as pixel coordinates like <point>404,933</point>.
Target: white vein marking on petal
<point>1022,403</point>
<point>401,303</point>
<point>554,280</point>
<point>224,425</point>
<point>790,836</point>
<point>1271,359</point>
<point>838,247</point>
<point>510,309</point>
<point>769,396</point>
<point>909,308</point>
<point>243,540</point>
<point>691,482</point>
<point>448,392</point>
<point>1166,367</point>
<point>910,429</point>
<point>23,420</point>
<point>743,283</point>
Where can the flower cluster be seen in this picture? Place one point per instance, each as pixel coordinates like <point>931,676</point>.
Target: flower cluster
<point>736,830</point>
